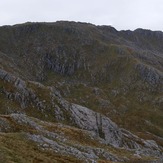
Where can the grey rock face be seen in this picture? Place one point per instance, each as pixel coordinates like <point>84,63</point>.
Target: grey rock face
<point>88,154</point>
<point>6,76</point>
<point>57,142</point>
<point>92,121</point>
<point>60,62</point>
<point>22,119</point>
<point>78,116</point>
<point>103,127</point>
<point>151,75</point>
<point>22,94</point>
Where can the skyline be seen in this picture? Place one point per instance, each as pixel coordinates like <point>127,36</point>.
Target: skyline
<point>122,15</point>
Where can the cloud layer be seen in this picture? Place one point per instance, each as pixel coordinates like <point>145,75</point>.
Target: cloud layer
<point>122,14</point>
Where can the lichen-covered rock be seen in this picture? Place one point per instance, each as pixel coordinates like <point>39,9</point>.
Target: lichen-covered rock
<point>103,127</point>
<point>92,121</point>
<point>151,76</point>
<point>88,154</point>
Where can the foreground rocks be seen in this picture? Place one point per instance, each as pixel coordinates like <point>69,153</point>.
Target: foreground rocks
<point>55,138</point>
<point>98,128</point>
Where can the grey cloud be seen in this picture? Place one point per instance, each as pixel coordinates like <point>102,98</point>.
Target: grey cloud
<point>122,14</point>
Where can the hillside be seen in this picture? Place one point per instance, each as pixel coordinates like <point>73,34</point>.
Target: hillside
<point>76,92</point>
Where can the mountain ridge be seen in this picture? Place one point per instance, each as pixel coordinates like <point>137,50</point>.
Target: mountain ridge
<point>63,72</point>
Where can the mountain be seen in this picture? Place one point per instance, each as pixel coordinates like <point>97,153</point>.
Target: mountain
<point>76,92</point>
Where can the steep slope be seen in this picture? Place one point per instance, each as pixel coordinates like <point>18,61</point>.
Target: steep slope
<point>46,69</point>
<point>82,134</point>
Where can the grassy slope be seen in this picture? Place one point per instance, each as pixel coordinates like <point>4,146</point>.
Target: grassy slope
<point>110,61</point>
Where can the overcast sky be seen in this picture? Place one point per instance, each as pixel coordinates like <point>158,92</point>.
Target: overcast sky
<point>121,14</point>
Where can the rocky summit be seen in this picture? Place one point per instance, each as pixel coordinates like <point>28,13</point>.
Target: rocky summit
<point>76,92</point>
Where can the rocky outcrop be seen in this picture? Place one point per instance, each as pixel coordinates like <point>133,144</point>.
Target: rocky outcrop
<point>64,60</point>
<point>75,115</point>
<point>92,121</point>
<point>151,76</point>
<point>54,141</point>
<point>83,153</point>
<point>19,91</point>
<point>57,141</point>
<point>103,127</point>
